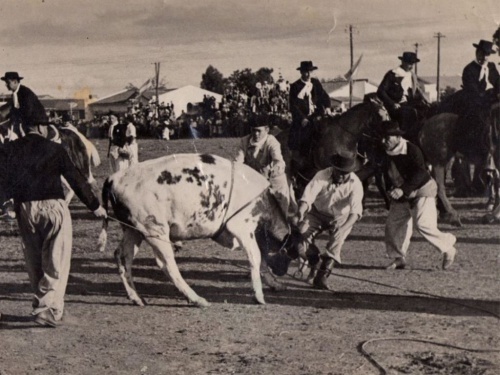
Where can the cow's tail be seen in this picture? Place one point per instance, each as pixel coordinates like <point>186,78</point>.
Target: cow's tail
<point>103,236</point>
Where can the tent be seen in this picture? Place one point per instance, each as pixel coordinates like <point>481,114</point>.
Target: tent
<point>188,94</point>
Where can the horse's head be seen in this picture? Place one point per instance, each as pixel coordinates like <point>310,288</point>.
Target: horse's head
<point>380,113</point>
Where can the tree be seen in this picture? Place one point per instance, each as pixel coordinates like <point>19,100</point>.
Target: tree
<point>212,80</point>
<point>244,80</point>
<point>264,74</point>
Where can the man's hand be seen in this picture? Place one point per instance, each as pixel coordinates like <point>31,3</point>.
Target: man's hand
<point>396,193</point>
<point>397,106</point>
<point>101,213</point>
<point>304,123</point>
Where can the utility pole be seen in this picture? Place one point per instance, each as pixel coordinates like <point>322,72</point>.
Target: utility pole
<point>352,64</point>
<point>438,36</point>
<point>416,53</point>
<point>157,79</point>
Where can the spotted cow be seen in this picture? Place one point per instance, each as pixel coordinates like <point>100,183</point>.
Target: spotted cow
<point>189,196</point>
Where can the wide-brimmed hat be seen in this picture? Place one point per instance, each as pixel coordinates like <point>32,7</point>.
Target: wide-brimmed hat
<point>485,46</point>
<point>409,57</point>
<point>344,162</point>
<point>259,120</point>
<point>390,128</point>
<point>11,75</point>
<point>307,66</point>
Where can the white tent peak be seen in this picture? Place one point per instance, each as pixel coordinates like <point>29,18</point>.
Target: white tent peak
<point>187,94</point>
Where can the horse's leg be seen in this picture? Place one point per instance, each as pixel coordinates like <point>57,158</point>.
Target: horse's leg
<point>449,212</point>
<point>380,182</point>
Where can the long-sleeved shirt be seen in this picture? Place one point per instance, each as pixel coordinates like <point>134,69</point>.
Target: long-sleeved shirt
<point>33,168</point>
<point>335,200</point>
<point>411,168</point>
<point>267,159</point>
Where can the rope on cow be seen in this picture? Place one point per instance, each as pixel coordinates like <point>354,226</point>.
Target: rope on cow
<point>383,370</point>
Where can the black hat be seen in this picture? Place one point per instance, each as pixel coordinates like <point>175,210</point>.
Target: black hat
<point>11,75</point>
<point>409,57</point>
<point>485,46</point>
<point>344,162</point>
<point>391,128</point>
<point>306,66</point>
<point>258,120</point>
<point>66,117</point>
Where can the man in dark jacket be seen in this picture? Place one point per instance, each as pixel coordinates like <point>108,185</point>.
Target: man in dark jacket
<point>26,109</point>
<point>401,94</point>
<point>307,100</point>
<point>480,90</point>
<point>31,176</point>
<point>413,193</point>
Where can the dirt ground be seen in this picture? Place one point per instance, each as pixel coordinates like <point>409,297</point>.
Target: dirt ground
<point>420,320</point>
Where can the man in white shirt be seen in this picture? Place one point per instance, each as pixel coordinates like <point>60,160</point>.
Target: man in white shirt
<point>331,201</point>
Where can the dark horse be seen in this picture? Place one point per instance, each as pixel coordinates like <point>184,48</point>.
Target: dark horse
<point>80,150</point>
<point>437,140</point>
<point>343,133</point>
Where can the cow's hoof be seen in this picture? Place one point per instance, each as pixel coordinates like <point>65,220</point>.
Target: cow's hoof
<point>139,302</point>
<point>201,302</point>
<point>260,300</point>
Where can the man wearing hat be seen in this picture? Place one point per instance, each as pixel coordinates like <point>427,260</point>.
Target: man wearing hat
<point>401,94</point>
<point>481,89</point>
<point>331,201</point>
<point>262,152</point>
<point>307,99</point>
<point>26,109</point>
<point>32,168</point>
<point>413,193</point>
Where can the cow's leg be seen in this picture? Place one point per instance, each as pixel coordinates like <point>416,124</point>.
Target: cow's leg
<point>124,256</point>
<point>243,231</point>
<point>450,213</point>
<point>164,254</point>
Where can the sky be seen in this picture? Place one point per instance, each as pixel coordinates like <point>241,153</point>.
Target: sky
<point>67,48</point>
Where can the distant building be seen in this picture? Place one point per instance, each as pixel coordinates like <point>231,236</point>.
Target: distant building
<point>75,108</point>
<point>430,84</point>
<point>121,101</point>
<point>338,91</point>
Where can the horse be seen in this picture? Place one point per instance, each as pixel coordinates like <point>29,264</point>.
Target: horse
<point>81,151</point>
<point>343,133</point>
<point>437,141</point>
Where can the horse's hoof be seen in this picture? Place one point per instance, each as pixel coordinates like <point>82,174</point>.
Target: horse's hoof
<point>489,219</point>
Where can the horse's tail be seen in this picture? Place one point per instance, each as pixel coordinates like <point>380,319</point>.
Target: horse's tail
<point>94,154</point>
<point>103,236</point>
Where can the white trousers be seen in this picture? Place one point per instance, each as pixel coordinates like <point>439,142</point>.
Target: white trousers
<point>422,214</point>
<point>46,233</point>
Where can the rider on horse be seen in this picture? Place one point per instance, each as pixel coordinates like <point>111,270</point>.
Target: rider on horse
<point>480,90</point>
<point>307,100</point>
<point>26,109</point>
<point>401,94</point>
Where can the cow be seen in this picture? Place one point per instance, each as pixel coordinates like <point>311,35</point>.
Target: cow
<point>189,196</point>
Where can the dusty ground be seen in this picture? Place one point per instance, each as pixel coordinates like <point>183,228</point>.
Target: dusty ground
<point>299,331</point>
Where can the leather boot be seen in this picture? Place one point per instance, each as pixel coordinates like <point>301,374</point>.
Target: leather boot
<point>324,271</point>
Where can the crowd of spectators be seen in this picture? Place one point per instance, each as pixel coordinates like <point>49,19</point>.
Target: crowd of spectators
<point>229,118</point>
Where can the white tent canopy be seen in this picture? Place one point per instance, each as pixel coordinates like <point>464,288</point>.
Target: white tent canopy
<point>188,94</point>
